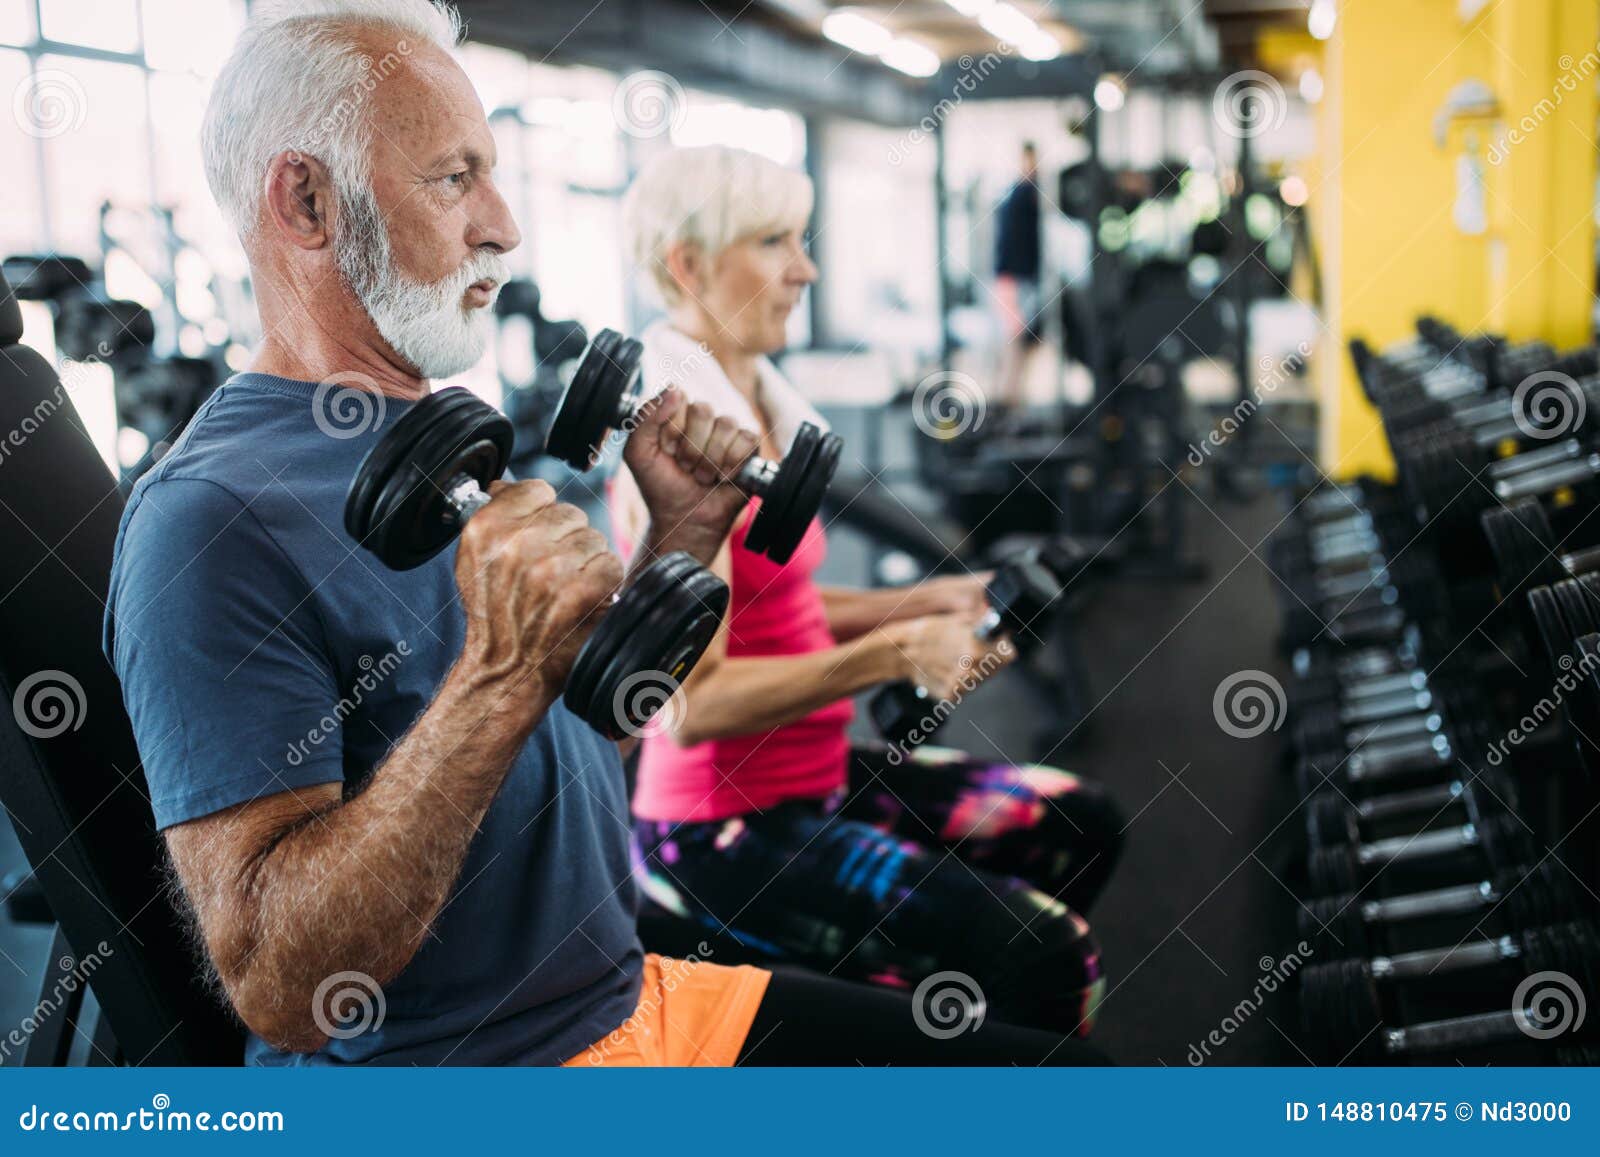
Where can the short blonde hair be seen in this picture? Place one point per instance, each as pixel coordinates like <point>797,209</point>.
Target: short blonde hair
<point>710,197</point>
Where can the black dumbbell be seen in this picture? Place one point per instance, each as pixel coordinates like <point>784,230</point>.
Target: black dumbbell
<point>1395,749</point>
<point>1342,1010</point>
<point>429,474</point>
<point>1573,472</point>
<point>1343,925</point>
<point>1500,839</point>
<point>1321,673</point>
<point>1524,546</point>
<point>1327,726</point>
<point>1020,596</point>
<point>604,396</point>
<point>1332,819</point>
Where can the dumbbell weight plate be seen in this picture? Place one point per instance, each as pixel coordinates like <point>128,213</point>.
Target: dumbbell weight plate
<point>1340,1013</point>
<point>1332,870</point>
<point>1553,631</point>
<point>795,494</point>
<point>1333,926</point>
<point>1329,820</point>
<point>1523,544</point>
<point>396,507</point>
<point>607,372</point>
<point>645,645</point>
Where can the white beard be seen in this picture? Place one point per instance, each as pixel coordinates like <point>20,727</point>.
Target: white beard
<point>425,323</point>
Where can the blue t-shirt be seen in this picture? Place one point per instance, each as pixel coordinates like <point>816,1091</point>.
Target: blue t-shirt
<point>261,650</point>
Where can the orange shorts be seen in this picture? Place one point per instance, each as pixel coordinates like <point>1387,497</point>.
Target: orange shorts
<point>690,1014</point>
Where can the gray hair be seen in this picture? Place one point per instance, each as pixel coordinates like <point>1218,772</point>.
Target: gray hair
<point>298,81</point>
<point>709,196</point>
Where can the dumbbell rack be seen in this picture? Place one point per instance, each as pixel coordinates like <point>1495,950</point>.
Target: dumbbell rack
<point>1397,699</point>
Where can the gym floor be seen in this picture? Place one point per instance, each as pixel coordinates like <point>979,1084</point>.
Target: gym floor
<point>1200,906</point>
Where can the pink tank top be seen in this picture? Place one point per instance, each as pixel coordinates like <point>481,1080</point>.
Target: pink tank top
<point>775,610</point>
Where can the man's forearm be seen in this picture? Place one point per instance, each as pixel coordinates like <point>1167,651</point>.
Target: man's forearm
<point>358,885</point>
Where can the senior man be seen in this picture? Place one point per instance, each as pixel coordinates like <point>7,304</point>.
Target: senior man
<point>396,843</point>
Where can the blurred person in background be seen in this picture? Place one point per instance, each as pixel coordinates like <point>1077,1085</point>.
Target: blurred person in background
<point>1017,259</point>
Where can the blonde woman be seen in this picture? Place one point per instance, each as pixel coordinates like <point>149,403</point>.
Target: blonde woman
<point>756,814</point>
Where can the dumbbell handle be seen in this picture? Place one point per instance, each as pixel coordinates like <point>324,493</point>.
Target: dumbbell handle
<point>1547,478</point>
<point>1353,583</point>
<point>1585,561</point>
<point>991,626</point>
<point>1418,847</point>
<point>1535,459</point>
<point>753,478</point>
<point>1385,684</point>
<point>1368,709</point>
<point>1462,1032</point>
<point>1493,433</point>
<point>1397,727</point>
<point>1429,961</point>
<point>1400,758</point>
<point>1455,900</point>
<point>465,497</point>
<point>1404,803</point>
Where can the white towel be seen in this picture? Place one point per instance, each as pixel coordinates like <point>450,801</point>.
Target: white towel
<point>673,357</point>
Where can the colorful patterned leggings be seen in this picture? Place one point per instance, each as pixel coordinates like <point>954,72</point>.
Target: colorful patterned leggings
<point>940,864</point>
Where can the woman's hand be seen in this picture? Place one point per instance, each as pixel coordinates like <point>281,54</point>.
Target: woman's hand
<point>957,594</point>
<point>943,655</point>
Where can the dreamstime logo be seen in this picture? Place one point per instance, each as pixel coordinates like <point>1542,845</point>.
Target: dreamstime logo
<point>49,103</point>
<point>948,1004</point>
<point>71,975</point>
<point>1548,705</point>
<point>648,103</point>
<point>1275,974</point>
<point>933,718</point>
<point>1249,103</point>
<point>1548,1004</point>
<point>373,672</point>
<point>1548,405</point>
<point>347,1004</point>
<point>647,703</point>
<point>1575,76</point>
<point>673,971</point>
<point>1274,373</point>
<point>1249,703</point>
<point>350,104</point>
<point>48,703</point>
<point>970,74</point>
<point>346,405</point>
<point>945,405</point>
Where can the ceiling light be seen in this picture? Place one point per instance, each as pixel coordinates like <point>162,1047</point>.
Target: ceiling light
<point>1004,22</point>
<point>1324,15</point>
<point>1041,46</point>
<point>911,58</point>
<point>1109,93</point>
<point>856,32</point>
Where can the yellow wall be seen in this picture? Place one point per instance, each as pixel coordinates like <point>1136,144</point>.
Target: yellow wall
<point>1383,207</point>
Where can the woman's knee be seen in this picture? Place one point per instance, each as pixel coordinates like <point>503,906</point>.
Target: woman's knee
<point>1053,976</point>
<point>1080,809</point>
